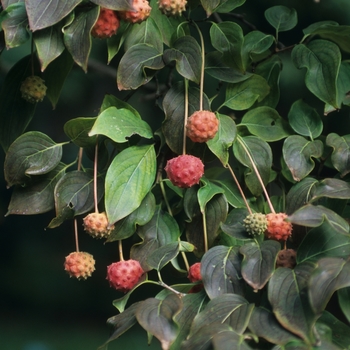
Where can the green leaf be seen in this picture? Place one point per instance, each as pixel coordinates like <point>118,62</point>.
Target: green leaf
<point>341,152</point>
<point>147,32</point>
<point>77,37</point>
<point>227,38</point>
<point>117,5</point>
<point>187,54</point>
<point>77,130</point>
<point>261,154</point>
<point>230,309</point>
<point>74,195</point>
<point>264,324</point>
<point>343,299</point>
<point>163,255</point>
<point>233,225</point>
<point>224,138</point>
<point>137,66</point>
<point>161,230</point>
<point>343,83</point>
<point>323,241</point>
<point>112,101</point>
<point>119,124</point>
<point>220,268</point>
<point>207,192</point>
<point>259,262</point>
<point>314,216</point>
<point>16,112</point>
<point>266,123</point>
<point>43,14</point>
<point>37,197</point>
<point>298,153</point>
<point>287,293</point>
<point>115,42</point>
<point>243,95</point>
<point>15,23</point>
<point>228,5</point>
<point>129,178</point>
<point>126,227</point>
<point>33,153</point>
<point>157,317</point>
<point>231,192</point>
<point>282,18</point>
<point>305,120</point>
<point>330,275</point>
<point>332,188</point>
<point>174,109</point>
<point>322,59</point>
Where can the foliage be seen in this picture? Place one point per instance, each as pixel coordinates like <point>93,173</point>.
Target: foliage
<point>245,300</point>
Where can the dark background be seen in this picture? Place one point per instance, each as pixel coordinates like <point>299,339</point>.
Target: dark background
<point>41,308</point>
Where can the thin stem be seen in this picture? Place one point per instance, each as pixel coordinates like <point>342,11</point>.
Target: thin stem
<point>171,289</point>
<point>120,248</point>
<point>205,233</point>
<point>80,157</point>
<point>239,188</point>
<point>201,86</point>
<point>185,118</point>
<point>76,235</point>
<point>95,177</point>
<point>257,174</point>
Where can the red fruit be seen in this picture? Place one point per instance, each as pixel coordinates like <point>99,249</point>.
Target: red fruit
<point>106,25</point>
<point>172,7</point>
<point>194,273</point>
<point>277,227</point>
<point>96,225</point>
<point>286,258</point>
<point>184,171</point>
<point>202,126</point>
<point>141,12</point>
<point>79,265</point>
<point>124,275</point>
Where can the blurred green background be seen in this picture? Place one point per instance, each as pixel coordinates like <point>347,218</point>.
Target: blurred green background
<point>41,308</point>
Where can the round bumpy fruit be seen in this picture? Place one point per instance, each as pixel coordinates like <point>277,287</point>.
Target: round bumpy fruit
<point>202,126</point>
<point>286,258</point>
<point>184,171</point>
<point>141,12</point>
<point>96,225</point>
<point>194,273</point>
<point>172,7</point>
<point>124,275</point>
<point>277,227</point>
<point>255,224</point>
<point>33,89</point>
<point>106,25</point>
<point>79,265</point>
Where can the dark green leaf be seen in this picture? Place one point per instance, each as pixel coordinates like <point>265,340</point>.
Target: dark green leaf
<point>33,153</point>
<point>233,225</point>
<point>187,54</point>
<point>266,123</point>
<point>37,197</point>
<point>157,317</point>
<point>322,59</point>
<point>224,138</point>
<point>243,95</point>
<point>282,18</point>
<point>228,5</point>
<point>259,262</point>
<point>77,130</point>
<point>341,152</point>
<point>14,24</point>
<point>220,268</point>
<point>115,42</point>
<point>16,113</point>
<point>343,299</point>
<point>264,324</point>
<point>230,309</point>
<point>126,227</point>
<point>324,241</point>
<point>137,66</point>
<point>161,256</point>
<point>231,192</point>
<point>287,293</point>
<point>77,37</point>
<point>305,120</point>
<point>332,188</point>
<point>207,192</point>
<point>298,153</point>
<point>343,83</point>
<point>261,154</point>
<point>129,178</point>
<point>43,14</point>
<point>330,275</point>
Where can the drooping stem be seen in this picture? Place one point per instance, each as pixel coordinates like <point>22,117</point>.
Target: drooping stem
<point>80,157</point>
<point>201,84</point>
<point>76,235</point>
<point>185,118</point>
<point>120,248</point>
<point>257,174</point>
<point>95,177</point>
<point>239,188</point>
<point>205,233</point>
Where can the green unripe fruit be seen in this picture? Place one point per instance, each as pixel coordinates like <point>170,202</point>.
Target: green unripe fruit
<point>255,224</point>
<point>33,89</point>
